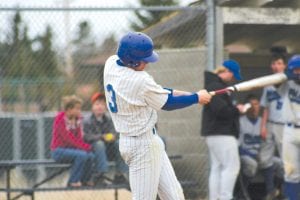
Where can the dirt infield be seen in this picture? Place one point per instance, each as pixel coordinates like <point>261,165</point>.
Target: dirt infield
<point>78,195</point>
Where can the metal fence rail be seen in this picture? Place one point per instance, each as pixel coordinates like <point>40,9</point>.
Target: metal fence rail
<point>49,52</point>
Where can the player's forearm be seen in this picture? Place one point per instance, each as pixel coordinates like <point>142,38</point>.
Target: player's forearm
<point>180,93</point>
<point>263,126</point>
<point>178,102</point>
<point>264,118</point>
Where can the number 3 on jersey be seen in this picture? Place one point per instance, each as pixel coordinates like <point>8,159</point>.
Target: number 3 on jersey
<point>112,102</point>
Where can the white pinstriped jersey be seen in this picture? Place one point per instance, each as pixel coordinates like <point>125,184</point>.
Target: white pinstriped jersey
<point>132,98</point>
<point>290,92</point>
<point>272,100</point>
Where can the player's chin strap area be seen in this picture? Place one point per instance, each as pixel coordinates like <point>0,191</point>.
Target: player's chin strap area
<point>177,102</point>
<point>133,64</point>
<point>119,62</point>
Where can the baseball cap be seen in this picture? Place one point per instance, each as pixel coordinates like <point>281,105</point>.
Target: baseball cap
<point>234,67</point>
<point>96,96</point>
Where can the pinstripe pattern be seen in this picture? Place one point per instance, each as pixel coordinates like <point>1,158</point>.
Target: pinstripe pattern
<point>138,98</point>
<point>150,169</point>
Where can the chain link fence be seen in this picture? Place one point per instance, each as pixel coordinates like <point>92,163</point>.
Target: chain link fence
<point>47,53</point>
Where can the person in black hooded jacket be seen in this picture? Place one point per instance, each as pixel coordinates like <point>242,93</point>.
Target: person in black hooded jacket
<point>220,127</point>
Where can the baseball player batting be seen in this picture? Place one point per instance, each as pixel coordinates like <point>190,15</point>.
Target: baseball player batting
<point>133,98</point>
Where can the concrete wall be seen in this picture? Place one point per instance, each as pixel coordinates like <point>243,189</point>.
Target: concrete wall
<point>183,70</point>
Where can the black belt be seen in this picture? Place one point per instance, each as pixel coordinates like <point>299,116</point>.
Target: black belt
<point>279,123</point>
<point>293,125</point>
<point>153,132</point>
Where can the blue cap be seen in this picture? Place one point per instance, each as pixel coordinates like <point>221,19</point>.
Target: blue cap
<point>234,67</point>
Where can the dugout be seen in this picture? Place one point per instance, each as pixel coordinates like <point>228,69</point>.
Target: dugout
<point>244,31</point>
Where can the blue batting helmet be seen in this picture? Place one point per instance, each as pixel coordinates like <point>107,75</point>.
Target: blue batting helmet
<point>294,62</point>
<point>135,47</point>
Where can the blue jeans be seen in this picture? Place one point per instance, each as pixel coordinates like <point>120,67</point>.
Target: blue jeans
<point>81,163</point>
<point>101,164</point>
<point>101,160</point>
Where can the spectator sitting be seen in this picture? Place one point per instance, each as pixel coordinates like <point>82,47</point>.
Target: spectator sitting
<point>253,157</point>
<point>97,128</point>
<point>67,143</point>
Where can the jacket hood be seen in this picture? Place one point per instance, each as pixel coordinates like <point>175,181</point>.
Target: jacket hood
<point>210,77</point>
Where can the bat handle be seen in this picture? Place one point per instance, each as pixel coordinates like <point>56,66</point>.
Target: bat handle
<point>221,91</point>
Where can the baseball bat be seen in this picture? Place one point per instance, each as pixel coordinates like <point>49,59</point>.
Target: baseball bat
<point>253,84</point>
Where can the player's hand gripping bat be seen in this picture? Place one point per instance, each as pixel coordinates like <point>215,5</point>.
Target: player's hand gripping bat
<point>253,84</point>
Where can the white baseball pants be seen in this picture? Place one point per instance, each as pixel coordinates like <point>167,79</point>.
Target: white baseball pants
<point>224,166</point>
<point>277,131</point>
<point>150,170</point>
<point>291,154</point>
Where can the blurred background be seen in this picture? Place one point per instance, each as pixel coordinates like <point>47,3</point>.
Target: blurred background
<point>53,48</point>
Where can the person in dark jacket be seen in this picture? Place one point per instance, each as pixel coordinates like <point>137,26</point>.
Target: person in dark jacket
<point>220,127</point>
<point>101,134</point>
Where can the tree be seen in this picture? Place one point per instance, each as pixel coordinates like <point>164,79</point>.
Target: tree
<point>20,57</point>
<point>84,41</point>
<point>45,56</point>
<point>21,61</point>
<point>148,18</point>
<point>24,68</point>
<point>47,71</point>
<point>109,44</point>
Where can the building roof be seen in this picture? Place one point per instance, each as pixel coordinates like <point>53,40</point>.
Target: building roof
<point>175,26</point>
<point>248,25</point>
<point>259,3</point>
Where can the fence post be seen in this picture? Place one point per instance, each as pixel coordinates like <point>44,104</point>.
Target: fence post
<point>41,144</point>
<point>210,34</point>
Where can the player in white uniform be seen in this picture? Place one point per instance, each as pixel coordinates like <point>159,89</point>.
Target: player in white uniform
<point>133,99</point>
<point>290,92</point>
<point>249,138</point>
<point>250,143</point>
<point>272,120</point>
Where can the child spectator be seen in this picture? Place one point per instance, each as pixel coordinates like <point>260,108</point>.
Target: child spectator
<point>68,146</point>
<point>101,134</point>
